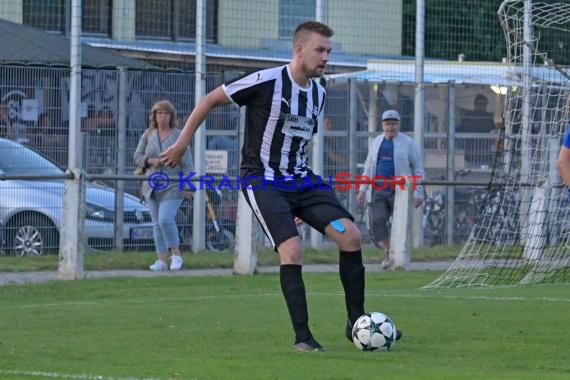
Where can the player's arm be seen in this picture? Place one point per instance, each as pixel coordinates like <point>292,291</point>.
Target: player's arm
<point>215,98</point>
<point>563,165</point>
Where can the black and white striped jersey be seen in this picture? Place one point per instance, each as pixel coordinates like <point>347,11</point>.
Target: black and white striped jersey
<point>281,118</point>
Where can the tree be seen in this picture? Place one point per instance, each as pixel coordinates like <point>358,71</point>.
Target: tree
<point>469,27</point>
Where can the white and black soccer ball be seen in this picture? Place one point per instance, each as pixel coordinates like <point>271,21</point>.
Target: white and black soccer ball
<point>374,331</point>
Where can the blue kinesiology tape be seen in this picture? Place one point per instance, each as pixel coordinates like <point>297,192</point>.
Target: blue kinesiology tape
<point>337,225</point>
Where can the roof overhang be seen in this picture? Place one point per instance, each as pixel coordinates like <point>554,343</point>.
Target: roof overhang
<point>440,72</point>
<point>23,44</point>
<point>222,55</point>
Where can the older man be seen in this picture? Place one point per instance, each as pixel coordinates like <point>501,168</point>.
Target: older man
<point>390,154</point>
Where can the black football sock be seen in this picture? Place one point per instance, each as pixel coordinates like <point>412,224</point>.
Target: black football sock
<point>351,273</point>
<point>293,289</point>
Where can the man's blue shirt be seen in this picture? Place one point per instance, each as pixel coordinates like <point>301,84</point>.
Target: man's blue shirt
<point>385,161</point>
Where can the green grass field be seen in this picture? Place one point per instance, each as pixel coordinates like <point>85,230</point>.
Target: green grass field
<point>238,328</point>
<point>205,259</point>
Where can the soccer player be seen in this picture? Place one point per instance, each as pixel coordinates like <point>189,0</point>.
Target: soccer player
<point>283,105</point>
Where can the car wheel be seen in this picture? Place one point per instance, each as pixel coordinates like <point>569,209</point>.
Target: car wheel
<point>31,235</point>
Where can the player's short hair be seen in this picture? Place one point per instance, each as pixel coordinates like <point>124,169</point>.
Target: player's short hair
<point>304,28</point>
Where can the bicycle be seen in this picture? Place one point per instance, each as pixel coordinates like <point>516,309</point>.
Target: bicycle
<point>433,218</point>
<point>434,214</point>
<point>219,233</point>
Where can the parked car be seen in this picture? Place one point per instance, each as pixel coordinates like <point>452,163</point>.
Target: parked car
<point>31,210</point>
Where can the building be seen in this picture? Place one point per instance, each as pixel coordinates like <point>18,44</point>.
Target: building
<point>240,35</point>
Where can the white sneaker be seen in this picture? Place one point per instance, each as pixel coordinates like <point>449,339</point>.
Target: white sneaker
<point>158,266</point>
<point>176,263</point>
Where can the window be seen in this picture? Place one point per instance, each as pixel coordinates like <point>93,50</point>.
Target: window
<point>173,19</point>
<point>292,12</point>
<point>45,14</point>
<point>152,18</point>
<point>187,24</point>
<point>51,15</point>
<point>96,16</point>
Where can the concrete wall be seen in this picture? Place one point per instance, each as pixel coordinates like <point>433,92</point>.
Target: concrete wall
<point>245,24</point>
<point>370,27</point>
<point>12,10</point>
<point>123,20</point>
<point>361,26</point>
<point>362,29</point>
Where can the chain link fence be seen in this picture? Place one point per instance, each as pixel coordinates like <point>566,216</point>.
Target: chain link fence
<point>241,37</point>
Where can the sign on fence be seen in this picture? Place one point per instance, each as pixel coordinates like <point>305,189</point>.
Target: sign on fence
<point>216,161</point>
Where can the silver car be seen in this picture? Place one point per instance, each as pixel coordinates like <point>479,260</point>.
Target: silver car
<point>31,211</point>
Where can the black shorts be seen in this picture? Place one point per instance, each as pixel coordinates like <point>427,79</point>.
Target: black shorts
<point>276,204</point>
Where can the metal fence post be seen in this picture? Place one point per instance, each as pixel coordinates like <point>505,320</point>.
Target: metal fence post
<point>70,265</point>
<point>199,217</point>
<point>419,103</point>
<point>121,159</point>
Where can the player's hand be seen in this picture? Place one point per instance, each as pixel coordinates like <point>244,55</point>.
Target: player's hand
<point>298,221</point>
<point>361,197</point>
<point>171,156</point>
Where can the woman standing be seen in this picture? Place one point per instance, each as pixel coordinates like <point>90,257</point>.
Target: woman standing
<point>163,203</point>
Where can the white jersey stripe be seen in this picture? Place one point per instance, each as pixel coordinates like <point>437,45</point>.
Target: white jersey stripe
<point>258,215</point>
<point>270,129</point>
<point>287,141</point>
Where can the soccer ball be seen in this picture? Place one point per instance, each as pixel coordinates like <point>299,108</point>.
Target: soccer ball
<point>374,331</point>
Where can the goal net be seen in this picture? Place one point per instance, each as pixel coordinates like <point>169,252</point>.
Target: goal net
<point>522,234</point>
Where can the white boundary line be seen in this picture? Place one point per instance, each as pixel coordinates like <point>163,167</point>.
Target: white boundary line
<point>485,298</point>
<point>58,375</point>
<point>230,296</point>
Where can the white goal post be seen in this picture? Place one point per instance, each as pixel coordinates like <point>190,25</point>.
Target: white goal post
<point>522,235</point>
